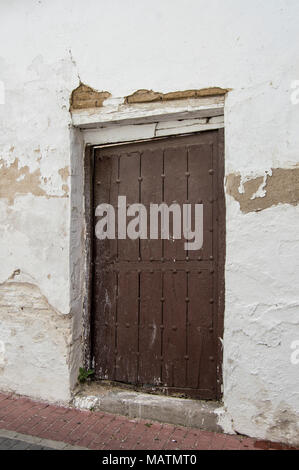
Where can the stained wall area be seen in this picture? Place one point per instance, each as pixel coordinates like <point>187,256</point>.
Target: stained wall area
<point>127,52</point>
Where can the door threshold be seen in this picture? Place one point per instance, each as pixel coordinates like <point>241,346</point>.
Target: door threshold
<point>187,412</point>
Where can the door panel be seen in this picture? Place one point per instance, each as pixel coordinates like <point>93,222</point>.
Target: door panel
<point>157,308</point>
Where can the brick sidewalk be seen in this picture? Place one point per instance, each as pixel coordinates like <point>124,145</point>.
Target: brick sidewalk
<point>98,430</point>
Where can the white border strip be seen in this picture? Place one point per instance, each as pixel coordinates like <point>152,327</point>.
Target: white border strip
<point>119,134</point>
<point>114,112</point>
<point>119,123</point>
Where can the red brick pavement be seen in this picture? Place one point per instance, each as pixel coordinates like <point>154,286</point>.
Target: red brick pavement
<point>98,430</point>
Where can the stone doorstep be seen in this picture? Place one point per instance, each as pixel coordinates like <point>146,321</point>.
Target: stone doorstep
<point>178,411</point>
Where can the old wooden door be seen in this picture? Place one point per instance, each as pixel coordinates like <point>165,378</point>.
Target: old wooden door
<point>157,309</point>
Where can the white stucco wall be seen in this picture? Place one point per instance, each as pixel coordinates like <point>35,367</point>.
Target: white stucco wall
<point>121,46</point>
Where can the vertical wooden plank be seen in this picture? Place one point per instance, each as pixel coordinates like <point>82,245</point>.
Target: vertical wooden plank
<point>200,337</point>
<point>104,324</point>
<point>104,280</point>
<point>174,332</point>
<point>200,189</point>
<point>105,191</point>
<point>208,366</point>
<point>175,191</point>
<point>151,192</point>
<point>149,328</point>
<point>127,327</point>
<point>129,170</point>
<point>201,300</point>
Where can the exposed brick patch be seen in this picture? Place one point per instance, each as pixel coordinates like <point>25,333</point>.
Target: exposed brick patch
<point>98,430</point>
<point>86,97</point>
<point>150,96</point>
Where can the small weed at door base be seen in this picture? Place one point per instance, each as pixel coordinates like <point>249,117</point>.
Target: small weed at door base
<point>85,374</point>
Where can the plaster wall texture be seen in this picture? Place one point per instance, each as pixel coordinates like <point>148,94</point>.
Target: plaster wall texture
<point>46,49</point>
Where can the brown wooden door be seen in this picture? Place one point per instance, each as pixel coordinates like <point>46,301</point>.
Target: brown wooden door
<point>157,309</point>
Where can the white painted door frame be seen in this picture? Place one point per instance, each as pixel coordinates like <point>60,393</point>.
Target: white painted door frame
<point>111,125</point>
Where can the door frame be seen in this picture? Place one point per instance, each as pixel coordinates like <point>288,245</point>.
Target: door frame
<point>143,130</point>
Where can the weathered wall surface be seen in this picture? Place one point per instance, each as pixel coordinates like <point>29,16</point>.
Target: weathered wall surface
<point>120,47</point>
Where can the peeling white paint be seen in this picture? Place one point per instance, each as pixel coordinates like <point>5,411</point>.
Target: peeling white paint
<point>2,354</point>
<point>86,402</point>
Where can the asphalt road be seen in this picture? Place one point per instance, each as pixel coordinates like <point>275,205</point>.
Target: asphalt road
<point>15,444</point>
